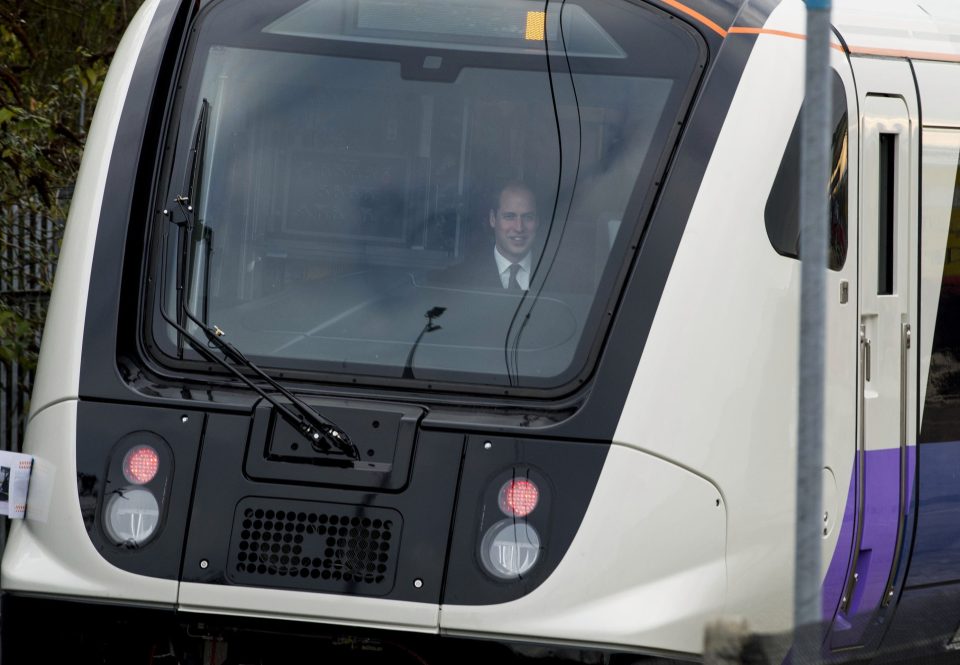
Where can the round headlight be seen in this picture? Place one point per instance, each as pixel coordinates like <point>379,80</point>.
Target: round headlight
<point>510,549</point>
<point>131,516</point>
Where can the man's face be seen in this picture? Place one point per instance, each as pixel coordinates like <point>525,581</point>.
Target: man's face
<point>514,223</point>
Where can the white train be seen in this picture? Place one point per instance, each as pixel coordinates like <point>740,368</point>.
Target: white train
<point>396,328</point>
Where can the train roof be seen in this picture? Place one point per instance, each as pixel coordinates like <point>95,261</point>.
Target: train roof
<point>924,29</point>
<point>918,29</point>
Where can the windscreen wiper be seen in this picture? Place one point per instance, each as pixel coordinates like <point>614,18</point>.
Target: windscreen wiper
<point>324,435</point>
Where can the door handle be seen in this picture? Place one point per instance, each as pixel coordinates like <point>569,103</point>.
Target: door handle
<point>866,356</point>
<point>864,376</point>
<point>905,335</point>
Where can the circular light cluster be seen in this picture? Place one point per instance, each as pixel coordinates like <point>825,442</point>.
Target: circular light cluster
<point>131,516</point>
<point>510,549</point>
<point>518,498</point>
<point>140,464</point>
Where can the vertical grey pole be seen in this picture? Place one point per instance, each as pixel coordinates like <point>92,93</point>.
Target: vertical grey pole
<point>814,214</point>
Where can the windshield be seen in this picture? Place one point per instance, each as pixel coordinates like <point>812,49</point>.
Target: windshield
<point>419,190</point>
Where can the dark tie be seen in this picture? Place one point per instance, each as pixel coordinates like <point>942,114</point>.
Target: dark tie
<point>512,283</point>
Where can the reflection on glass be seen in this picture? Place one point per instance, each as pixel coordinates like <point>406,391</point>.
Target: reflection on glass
<point>353,179</point>
<point>503,26</point>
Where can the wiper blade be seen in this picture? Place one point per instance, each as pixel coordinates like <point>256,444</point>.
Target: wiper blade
<point>324,435</point>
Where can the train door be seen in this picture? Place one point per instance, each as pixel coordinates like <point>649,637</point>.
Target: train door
<point>887,358</point>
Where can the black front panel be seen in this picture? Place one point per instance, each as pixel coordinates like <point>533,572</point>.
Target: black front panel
<point>566,474</point>
<point>415,540</point>
<point>105,433</point>
<point>383,434</point>
<point>306,545</point>
<point>285,533</point>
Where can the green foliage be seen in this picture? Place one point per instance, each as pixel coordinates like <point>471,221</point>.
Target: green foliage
<point>54,56</point>
<point>18,334</point>
<point>54,59</point>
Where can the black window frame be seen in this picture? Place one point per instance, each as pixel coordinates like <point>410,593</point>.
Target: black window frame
<point>609,291</point>
<point>782,210</point>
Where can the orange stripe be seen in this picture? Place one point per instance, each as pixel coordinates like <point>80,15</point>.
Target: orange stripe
<point>696,15</point>
<point>764,31</point>
<point>896,53</point>
<point>856,50</point>
<point>776,33</point>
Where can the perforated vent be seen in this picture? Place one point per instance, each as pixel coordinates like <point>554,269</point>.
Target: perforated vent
<point>314,546</point>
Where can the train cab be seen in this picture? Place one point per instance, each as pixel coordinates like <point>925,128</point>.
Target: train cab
<point>389,330</point>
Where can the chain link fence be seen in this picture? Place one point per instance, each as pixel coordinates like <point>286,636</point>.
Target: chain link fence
<point>29,244</point>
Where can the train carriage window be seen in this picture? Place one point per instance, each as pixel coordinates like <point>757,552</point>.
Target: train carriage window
<point>782,213</point>
<point>362,160</point>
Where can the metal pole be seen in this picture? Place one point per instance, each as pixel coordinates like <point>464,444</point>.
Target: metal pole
<point>814,214</point>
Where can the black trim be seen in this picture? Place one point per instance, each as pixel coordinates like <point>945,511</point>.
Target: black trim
<point>592,414</point>
<point>843,42</point>
<point>66,630</point>
<point>84,631</point>
<point>910,526</point>
<point>115,284</point>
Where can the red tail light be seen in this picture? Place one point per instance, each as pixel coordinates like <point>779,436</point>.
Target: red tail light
<point>140,465</point>
<point>519,497</point>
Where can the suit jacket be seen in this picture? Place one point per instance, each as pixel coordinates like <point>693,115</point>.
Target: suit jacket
<point>477,272</point>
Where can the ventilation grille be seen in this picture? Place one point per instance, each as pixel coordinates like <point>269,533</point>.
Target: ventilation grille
<point>314,546</point>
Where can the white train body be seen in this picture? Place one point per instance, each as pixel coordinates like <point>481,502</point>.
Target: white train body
<point>653,405</point>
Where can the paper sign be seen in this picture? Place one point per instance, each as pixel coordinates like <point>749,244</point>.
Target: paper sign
<point>14,483</point>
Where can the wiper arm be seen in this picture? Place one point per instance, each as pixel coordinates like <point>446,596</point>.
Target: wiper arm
<point>324,435</point>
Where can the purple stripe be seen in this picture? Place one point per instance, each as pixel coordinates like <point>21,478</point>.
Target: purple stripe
<point>877,547</point>
<point>836,577</point>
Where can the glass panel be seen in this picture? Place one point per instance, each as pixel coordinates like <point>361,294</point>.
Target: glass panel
<point>782,212</point>
<point>940,288</point>
<point>886,214</point>
<point>363,196</point>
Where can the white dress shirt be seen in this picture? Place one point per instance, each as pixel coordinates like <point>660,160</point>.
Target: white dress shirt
<point>503,265</point>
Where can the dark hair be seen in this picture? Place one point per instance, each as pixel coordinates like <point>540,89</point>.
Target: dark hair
<point>518,185</point>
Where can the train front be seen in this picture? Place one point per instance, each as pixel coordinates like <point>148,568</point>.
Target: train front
<point>346,317</point>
